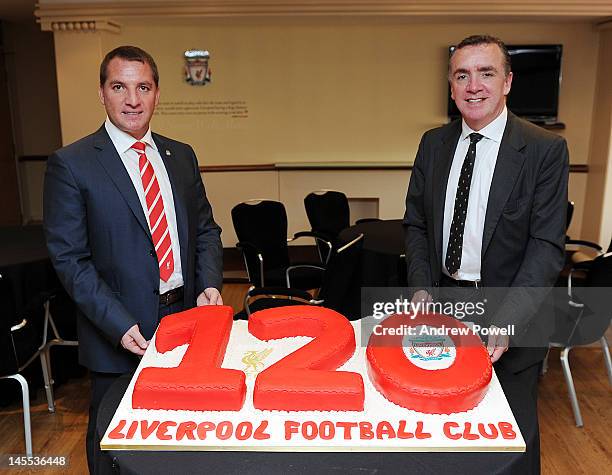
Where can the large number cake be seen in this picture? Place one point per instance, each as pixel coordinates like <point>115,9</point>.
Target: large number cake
<point>295,378</point>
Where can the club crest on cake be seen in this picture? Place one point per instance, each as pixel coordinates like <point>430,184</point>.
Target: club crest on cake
<point>254,360</point>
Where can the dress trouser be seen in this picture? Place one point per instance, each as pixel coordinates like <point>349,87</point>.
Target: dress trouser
<point>97,461</point>
<point>520,387</point>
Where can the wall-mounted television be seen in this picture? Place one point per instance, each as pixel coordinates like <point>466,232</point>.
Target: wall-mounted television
<point>535,84</point>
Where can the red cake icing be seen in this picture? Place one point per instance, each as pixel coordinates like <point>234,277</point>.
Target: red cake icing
<point>198,383</point>
<point>457,388</point>
<point>307,378</point>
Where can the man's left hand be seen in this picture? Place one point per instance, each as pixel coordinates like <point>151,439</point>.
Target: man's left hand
<point>210,296</point>
<point>497,344</point>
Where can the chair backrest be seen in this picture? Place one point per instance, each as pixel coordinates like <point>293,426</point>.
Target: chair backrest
<point>570,213</point>
<point>597,297</point>
<point>263,224</point>
<point>328,212</point>
<point>341,288</point>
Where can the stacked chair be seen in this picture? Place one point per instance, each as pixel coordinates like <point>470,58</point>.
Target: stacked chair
<point>340,290</point>
<point>261,227</point>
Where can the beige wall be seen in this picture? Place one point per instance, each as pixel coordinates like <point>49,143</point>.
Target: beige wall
<point>317,90</point>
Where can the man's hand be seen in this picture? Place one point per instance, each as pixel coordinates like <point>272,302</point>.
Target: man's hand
<point>421,296</point>
<point>134,341</point>
<point>210,296</point>
<point>497,344</point>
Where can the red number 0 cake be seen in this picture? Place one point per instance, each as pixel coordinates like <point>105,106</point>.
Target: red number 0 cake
<point>420,379</point>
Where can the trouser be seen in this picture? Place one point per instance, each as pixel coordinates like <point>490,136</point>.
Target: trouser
<point>97,461</point>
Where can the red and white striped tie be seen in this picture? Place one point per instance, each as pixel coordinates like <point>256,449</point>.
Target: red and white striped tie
<point>157,215</point>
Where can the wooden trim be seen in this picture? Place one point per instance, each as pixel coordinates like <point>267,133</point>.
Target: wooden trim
<point>266,167</point>
<point>579,168</point>
<point>573,168</point>
<point>60,12</point>
<point>271,167</point>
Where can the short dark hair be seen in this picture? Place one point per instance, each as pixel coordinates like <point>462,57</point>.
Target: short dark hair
<point>476,40</point>
<point>129,53</point>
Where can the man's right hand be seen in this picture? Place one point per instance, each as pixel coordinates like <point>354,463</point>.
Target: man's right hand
<point>421,296</point>
<point>134,341</point>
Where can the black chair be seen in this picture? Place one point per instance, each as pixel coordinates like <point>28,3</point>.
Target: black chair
<point>56,340</point>
<point>261,227</point>
<point>585,319</point>
<point>340,289</point>
<point>329,213</point>
<point>21,344</point>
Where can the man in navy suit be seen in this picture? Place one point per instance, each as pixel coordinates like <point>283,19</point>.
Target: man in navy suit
<point>486,208</point>
<point>129,228</point>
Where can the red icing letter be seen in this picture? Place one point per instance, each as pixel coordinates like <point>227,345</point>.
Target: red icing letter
<point>507,431</point>
<point>162,430</point>
<point>186,429</point>
<point>310,430</point>
<point>225,429</point>
<point>116,432</point>
<point>485,434</point>
<point>132,430</point>
<point>327,430</point>
<point>244,430</point>
<point>384,430</point>
<point>467,435</point>
<point>307,379</point>
<point>260,432</point>
<point>419,433</point>
<point>365,431</point>
<point>401,431</point>
<point>347,427</point>
<point>447,432</point>
<point>204,428</point>
<point>146,430</point>
<point>198,383</point>
<point>291,427</point>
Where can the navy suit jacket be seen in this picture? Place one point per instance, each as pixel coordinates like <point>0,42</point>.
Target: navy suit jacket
<point>524,231</point>
<point>101,246</point>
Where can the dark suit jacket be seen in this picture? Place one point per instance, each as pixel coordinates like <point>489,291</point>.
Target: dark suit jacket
<point>524,230</point>
<point>101,246</point>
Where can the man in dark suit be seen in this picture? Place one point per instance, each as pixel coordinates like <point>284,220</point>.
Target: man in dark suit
<point>129,228</point>
<point>486,207</point>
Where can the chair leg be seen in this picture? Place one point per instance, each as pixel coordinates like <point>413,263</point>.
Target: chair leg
<point>544,368</point>
<point>570,386</point>
<point>25,395</point>
<point>607,359</point>
<point>46,370</point>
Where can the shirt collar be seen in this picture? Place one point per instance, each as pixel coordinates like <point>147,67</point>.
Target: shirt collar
<point>124,141</point>
<point>493,131</point>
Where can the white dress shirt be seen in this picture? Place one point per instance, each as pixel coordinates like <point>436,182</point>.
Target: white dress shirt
<point>123,144</point>
<point>484,166</point>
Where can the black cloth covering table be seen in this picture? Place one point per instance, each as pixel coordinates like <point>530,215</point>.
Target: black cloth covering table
<point>382,264</point>
<point>165,462</point>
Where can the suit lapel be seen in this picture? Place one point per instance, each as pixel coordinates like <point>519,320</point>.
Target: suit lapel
<point>442,165</point>
<point>109,159</point>
<point>169,157</point>
<point>509,163</point>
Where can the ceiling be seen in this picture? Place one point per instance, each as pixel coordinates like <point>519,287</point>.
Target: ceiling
<point>18,11</point>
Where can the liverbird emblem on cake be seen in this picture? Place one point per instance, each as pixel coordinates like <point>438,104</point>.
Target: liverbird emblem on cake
<point>254,360</point>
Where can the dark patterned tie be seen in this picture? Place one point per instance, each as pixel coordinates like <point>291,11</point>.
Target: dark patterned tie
<point>455,238</point>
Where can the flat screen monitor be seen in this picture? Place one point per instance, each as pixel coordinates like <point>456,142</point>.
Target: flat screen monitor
<point>534,94</point>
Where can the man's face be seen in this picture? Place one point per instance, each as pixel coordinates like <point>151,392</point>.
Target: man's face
<point>479,84</point>
<point>129,95</point>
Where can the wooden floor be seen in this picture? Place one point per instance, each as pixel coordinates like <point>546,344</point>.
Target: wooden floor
<point>565,448</point>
